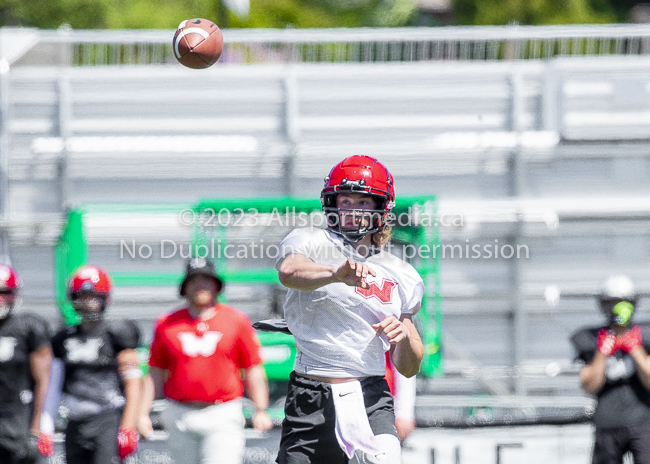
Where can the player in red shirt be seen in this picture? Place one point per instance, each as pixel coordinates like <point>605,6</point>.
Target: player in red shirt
<point>196,356</point>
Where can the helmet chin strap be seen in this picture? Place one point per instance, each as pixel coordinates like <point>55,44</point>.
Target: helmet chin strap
<point>350,237</point>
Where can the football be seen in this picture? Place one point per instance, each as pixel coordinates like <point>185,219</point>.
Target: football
<point>197,43</point>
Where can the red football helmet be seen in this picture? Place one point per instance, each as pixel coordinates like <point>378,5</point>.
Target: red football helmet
<point>9,281</point>
<point>9,285</point>
<point>89,278</point>
<point>359,174</point>
<point>94,280</point>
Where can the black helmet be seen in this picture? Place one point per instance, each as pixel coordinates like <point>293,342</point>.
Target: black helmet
<point>196,266</point>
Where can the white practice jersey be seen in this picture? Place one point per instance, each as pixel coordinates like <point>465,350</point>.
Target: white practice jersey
<point>332,325</point>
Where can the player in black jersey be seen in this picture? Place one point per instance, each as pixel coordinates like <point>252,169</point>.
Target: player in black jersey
<point>617,372</point>
<point>100,377</point>
<point>25,357</point>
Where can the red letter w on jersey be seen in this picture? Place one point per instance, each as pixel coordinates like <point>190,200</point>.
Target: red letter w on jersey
<point>383,293</point>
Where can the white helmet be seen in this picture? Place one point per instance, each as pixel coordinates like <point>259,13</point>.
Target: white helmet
<point>617,298</point>
<point>618,287</point>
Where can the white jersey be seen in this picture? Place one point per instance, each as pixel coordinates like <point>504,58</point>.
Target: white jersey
<point>332,325</point>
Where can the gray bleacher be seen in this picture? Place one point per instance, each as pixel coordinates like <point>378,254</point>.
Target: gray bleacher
<point>550,155</point>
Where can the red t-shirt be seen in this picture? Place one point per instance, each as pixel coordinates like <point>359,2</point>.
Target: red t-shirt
<point>203,357</point>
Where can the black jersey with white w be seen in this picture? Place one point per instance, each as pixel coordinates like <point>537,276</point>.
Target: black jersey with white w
<point>20,335</point>
<point>90,359</point>
<point>623,401</point>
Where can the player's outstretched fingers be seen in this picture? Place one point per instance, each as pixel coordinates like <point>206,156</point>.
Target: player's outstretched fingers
<point>353,273</point>
<point>361,270</point>
<point>356,270</point>
<point>397,334</point>
<point>394,332</point>
<point>393,328</point>
<point>380,327</point>
<point>347,273</point>
<point>365,270</point>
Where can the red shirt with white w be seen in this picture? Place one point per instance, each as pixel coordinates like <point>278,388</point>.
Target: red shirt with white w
<point>203,357</point>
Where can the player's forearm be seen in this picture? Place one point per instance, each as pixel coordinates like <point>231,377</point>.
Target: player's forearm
<point>257,387</point>
<point>133,394</point>
<point>40,390</point>
<point>129,369</point>
<point>407,355</point>
<point>258,391</point>
<point>592,376</point>
<point>157,379</point>
<point>53,397</point>
<point>147,394</point>
<point>306,274</point>
<point>40,362</point>
<point>642,360</point>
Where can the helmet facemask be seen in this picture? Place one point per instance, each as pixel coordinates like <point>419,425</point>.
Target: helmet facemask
<point>354,223</point>
<point>7,303</point>
<point>617,299</point>
<point>89,305</point>
<point>89,292</point>
<point>619,312</point>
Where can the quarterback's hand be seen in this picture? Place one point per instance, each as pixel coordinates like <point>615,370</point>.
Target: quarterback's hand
<point>127,442</point>
<point>262,421</point>
<point>607,342</point>
<point>45,444</point>
<point>354,274</point>
<point>394,329</point>
<point>630,340</point>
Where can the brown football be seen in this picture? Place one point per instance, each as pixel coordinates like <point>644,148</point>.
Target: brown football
<point>197,43</point>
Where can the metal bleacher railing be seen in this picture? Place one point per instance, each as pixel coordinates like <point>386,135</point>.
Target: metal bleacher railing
<point>85,48</point>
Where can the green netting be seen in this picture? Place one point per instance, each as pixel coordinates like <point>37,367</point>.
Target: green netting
<point>70,252</point>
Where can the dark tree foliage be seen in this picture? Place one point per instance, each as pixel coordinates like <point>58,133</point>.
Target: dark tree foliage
<point>165,14</point>
<point>538,12</point>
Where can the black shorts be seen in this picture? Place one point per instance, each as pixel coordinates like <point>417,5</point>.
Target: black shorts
<point>308,435</point>
<point>26,456</point>
<point>611,444</point>
<point>16,444</point>
<point>93,440</point>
